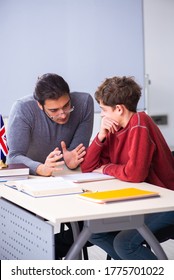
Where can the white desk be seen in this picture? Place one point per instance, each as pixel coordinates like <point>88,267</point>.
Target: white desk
<point>97,217</point>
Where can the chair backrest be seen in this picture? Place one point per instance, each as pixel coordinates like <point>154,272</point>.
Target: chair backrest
<point>167,232</point>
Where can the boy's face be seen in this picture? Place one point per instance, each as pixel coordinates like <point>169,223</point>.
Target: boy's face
<point>110,112</point>
<point>119,114</point>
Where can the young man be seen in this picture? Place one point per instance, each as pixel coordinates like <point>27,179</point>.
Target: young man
<point>130,147</point>
<point>51,128</point>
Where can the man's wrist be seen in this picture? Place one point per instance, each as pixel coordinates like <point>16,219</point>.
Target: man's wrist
<point>39,170</point>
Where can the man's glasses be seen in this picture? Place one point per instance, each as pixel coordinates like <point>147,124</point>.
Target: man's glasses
<point>65,110</point>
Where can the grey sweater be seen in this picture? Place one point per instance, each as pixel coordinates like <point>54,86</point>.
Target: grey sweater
<point>31,135</point>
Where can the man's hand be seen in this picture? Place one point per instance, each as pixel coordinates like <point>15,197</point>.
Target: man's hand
<point>75,157</point>
<point>107,125</point>
<point>51,163</point>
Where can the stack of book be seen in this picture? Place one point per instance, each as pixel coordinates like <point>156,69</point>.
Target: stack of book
<point>15,171</point>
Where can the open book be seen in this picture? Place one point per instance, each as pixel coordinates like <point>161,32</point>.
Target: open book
<point>86,177</point>
<point>117,195</point>
<point>44,187</point>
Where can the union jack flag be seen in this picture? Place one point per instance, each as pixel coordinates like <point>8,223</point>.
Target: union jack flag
<point>3,142</point>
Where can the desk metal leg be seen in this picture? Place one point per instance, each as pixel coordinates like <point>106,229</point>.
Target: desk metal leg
<point>114,224</point>
<point>152,241</point>
<point>76,232</point>
<point>79,243</point>
<point>102,225</point>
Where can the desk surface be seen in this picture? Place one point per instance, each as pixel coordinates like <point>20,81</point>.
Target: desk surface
<point>70,208</point>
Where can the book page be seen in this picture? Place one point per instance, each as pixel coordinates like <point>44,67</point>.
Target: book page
<point>45,186</point>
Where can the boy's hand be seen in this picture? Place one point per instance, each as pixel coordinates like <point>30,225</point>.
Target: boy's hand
<point>100,169</point>
<point>107,126</point>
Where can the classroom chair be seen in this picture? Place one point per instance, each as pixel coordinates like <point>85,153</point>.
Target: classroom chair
<point>166,233</point>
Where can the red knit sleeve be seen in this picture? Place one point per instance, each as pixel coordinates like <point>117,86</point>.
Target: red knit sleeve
<point>140,152</point>
<point>96,155</point>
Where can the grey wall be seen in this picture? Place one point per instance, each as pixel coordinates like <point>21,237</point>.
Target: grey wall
<point>159,61</point>
<point>85,41</point>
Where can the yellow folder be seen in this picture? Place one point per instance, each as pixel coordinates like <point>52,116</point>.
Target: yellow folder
<point>117,195</point>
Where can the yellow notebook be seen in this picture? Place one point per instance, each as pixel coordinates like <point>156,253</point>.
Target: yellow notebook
<point>117,195</point>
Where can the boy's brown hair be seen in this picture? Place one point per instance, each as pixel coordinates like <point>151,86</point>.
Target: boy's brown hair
<point>119,90</point>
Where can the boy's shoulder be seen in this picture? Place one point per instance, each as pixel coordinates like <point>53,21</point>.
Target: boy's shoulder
<point>142,119</point>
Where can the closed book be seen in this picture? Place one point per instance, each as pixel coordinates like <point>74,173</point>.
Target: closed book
<point>117,195</point>
<point>86,177</point>
<point>14,169</point>
<point>12,178</point>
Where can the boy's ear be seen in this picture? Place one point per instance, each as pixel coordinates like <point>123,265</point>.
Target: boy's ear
<point>120,108</point>
<point>40,106</point>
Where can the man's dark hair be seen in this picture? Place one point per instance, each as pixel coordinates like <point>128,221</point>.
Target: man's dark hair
<point>50,86</point>
<point>119,90</point>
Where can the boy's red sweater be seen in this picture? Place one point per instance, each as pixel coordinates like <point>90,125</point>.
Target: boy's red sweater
<point>135,153</point>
